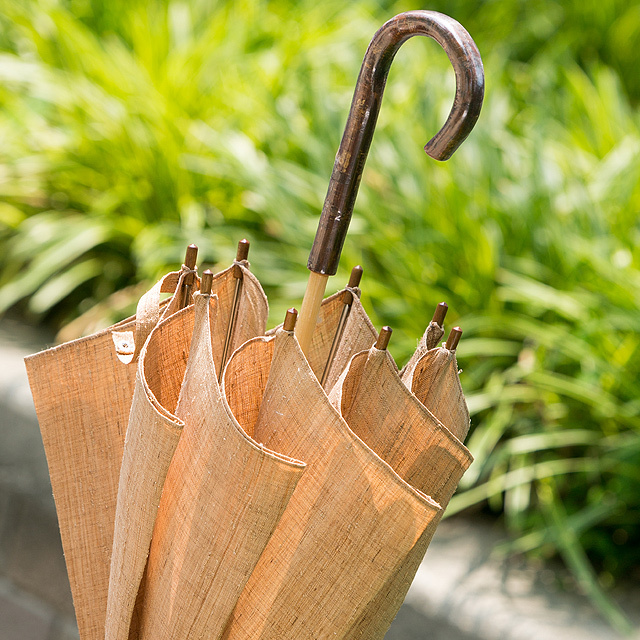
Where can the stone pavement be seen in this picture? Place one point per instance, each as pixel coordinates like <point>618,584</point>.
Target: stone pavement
<point>462,591</point>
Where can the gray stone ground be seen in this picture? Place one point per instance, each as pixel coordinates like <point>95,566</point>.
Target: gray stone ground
<point>462,591</point>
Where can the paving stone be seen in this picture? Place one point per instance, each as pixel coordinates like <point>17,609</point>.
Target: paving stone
<point>411,624</point>
<point>21,618</point>
<point>64,629</point>
<point>5,525</point>
<point>33,553</point>
<point>461,580</point>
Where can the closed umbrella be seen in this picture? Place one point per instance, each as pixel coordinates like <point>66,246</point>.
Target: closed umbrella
<point>82,392</point>
<point>260,490</point>
<point>362,515</point>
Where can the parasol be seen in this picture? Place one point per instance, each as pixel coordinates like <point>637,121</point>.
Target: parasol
<point>83,393</point>
<point>295,497</point>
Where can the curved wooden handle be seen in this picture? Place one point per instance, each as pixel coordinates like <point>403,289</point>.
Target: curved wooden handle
<point>354,148</point>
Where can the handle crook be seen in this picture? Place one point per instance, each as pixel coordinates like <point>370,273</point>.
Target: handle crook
<point>347,170</point>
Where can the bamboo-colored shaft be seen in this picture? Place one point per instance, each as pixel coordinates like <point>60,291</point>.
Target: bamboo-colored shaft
<point>310,309</point>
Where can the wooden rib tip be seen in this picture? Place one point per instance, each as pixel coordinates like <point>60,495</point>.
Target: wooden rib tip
<point>453,339</point>
<point>190,256</point>
<point>207,281</point>
<point>355,277</point>
<point>383,338</point>
<point>290,319</point>
<point>440,313</point>
<point>243,250</point>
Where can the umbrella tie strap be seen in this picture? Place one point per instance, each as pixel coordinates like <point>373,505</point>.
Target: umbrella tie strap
<point>150,311</point>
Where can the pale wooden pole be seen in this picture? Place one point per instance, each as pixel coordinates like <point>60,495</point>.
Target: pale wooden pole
<point>310,309</point>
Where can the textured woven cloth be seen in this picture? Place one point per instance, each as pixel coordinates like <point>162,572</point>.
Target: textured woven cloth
<point>265,507</point>
<point>83,392</point>
<point>349,542</point>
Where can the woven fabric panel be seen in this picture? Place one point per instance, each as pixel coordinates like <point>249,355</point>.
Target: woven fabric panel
<point>223,497</point>
<point>434,380</point>
<point>349,526</point>
<point>379,408</point>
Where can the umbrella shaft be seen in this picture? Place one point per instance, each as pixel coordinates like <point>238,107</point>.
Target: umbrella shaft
<point>310,309</point>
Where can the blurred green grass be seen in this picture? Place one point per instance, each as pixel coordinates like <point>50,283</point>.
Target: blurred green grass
<point>130,129</point>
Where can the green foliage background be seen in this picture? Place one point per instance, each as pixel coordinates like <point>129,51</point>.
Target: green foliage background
<point>130,129</point>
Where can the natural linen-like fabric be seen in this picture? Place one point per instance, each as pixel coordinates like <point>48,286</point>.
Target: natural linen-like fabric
<point>358,334</point>
<point>432,335</point>
<point>434,380</point>
<point>223,497</point>
<point>152,436</point>
<point>154,431</point>
<point>393,422</point>
<point>253,309</point>
<point>149,311</point>
<point>350,524</point>
<point>82,393</point>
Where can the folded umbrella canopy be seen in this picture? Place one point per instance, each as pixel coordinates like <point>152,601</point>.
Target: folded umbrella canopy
<point>378,407</point>
<point>295,498</point>
<point>83,392</point>
<point>182,438</point>
<point>353,521</point>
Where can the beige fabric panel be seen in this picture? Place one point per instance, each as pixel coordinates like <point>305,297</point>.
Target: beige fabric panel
<point>155,430</point>
<point>253,309</point>
<point>325,330</point>
<point>429,340</point>
<point>393,422</point>
<point>222,499</point>
<point>379,408</point>
<point>359,334</point>
<point>152,436</point>
<point>82,393</point>
<point>349,525</point>
<point>244,385</point>
<point>434,380</point>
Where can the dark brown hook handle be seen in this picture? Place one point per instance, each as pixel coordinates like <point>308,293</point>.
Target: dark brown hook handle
<point>347,170</point>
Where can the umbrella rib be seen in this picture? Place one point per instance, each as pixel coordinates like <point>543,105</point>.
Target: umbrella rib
<point>347,299</point>
<point>232,322</point>
<point>190,263</point>
<point>241,255</point>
